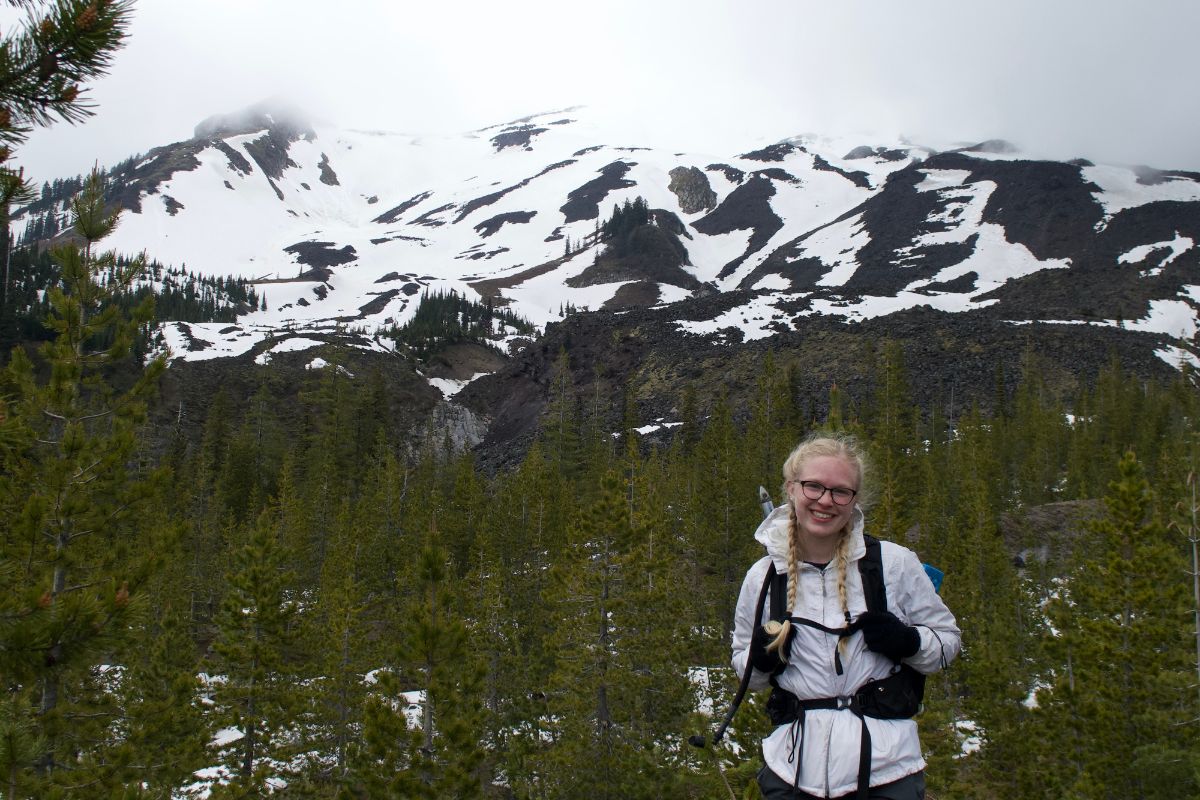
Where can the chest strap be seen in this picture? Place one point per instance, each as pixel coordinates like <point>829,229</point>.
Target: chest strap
<point>848,630</point>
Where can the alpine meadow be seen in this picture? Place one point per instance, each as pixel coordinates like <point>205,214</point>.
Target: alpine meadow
<point>345,464</point>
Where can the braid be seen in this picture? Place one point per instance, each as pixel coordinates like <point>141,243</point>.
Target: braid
<point>843,565</point>
<point>780,630</point>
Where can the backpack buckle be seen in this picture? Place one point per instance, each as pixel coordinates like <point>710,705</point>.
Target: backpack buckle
<point>843,702</point>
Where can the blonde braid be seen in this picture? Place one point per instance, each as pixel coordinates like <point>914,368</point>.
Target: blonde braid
<point>780,630</point>
<point>843,565</point>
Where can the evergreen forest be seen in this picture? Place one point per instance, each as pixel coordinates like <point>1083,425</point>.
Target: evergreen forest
<point>248,612</point>
<point>252,613</point>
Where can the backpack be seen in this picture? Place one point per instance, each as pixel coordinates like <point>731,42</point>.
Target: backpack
<point>898,696</point>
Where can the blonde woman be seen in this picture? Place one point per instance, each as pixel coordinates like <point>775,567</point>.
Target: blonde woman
<point>820,658</point>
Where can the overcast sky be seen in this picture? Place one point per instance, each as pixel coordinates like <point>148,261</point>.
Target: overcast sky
<point>1112,80</point>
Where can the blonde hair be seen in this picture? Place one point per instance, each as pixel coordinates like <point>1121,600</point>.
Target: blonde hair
<point>815,445</point>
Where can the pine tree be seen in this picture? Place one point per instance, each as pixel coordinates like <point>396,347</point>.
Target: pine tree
<point>1123,653</point>
<point>43,65</point>
<point>78,550</point>
<point>254,692</point>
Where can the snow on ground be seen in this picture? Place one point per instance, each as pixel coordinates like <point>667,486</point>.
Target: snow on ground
<point>450,387</point>
<point>837,246</point>
<point>1178,246</point>
<point>1177,356</point>
<point>969,737</point>
<point>1119,189</point>
<point>756,319</point>
<point>224,340</point>
<point>320,363</point>
<point>290,345</point>
<point>657,425</point>
<point>871,307</point>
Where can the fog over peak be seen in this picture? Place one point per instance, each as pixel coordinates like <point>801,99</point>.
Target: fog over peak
<point>1105,80</point>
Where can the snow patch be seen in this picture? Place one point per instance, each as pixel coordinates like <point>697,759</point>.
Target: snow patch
<point>1178,246</point>
<point>756,319</point>
<point>450,386</point>
<point>1119,190</point>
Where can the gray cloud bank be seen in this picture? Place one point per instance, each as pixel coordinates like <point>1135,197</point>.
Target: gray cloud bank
<point>1105,79</point>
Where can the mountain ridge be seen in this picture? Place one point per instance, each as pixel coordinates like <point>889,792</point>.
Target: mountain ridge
<point>344,231</point>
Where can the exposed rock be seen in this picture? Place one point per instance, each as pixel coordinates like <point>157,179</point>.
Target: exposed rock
<point>860,179</point>
<point>427,219</point>
<point>691,186</point>
<point>517,136</point>
<point>774,152</point>
<point>270,152</point>
<point>584,202</point>
<point>393,214</point>
<point>493,224</point>
<point>748,207</point>
<point>487,200</point>
<point>328,176</point>
<point>732,174</point>
<point>378,303</point>
<point>237,162</point>
<point>320,256</point>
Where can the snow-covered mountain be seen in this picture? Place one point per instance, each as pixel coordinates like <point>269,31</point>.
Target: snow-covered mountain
<point>346,229</point>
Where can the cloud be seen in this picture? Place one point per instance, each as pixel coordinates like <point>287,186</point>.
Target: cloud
<point>1106,79</point>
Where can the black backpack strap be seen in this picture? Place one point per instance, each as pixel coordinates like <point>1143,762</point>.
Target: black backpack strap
<point>779,590</point>
<point>870,567</point>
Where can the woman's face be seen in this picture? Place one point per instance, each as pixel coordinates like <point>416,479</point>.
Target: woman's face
<point>821,521</point>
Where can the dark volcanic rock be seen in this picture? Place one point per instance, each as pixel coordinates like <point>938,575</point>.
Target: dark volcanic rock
<point>517,136</point>
<point>321,256</point>
<point>493,224</point>
<point>328,176</point>
<point>584,202</point>
<point>639,294</point>
<point>378,303</point>
<point>237,162</point>
<point>860,179</point>
<point>953,361</point>
<point>427,219</point>
<point>393,214</point>
<point>270,152</point>
<point>748,207</point>
<point>775,152</point>
<point>732,174</point>
<point>487,200</point>
<point>777,174</point>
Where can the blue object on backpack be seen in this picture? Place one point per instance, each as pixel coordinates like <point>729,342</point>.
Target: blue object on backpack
<point>935,575</point>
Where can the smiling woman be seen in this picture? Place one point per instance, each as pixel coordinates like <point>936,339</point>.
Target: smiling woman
<point>842,702</point>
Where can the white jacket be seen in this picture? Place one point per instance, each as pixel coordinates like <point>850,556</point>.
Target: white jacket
<point>831,738</point>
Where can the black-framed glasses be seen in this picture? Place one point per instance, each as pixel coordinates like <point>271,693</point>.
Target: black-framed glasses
<point>840,495</point>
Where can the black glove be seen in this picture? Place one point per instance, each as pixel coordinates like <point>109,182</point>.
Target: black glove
<point>762,659</point>
<point>887,635</point>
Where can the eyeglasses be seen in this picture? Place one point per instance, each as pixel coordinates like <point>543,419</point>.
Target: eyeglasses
<point>814,491</point>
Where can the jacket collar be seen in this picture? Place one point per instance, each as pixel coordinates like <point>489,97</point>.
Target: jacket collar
<point>773,534</point>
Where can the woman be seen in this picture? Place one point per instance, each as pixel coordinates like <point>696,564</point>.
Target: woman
<point>817,539</point>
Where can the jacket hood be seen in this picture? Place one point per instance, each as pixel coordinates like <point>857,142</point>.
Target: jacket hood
<point>773,535</point>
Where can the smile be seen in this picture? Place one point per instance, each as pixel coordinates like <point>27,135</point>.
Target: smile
<point>821,515</point>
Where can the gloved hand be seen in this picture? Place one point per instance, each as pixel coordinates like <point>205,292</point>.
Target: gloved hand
<point>762,659</point>
<point>887,635</point>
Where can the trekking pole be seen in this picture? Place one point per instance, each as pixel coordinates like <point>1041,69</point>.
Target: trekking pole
<point>699,740</point>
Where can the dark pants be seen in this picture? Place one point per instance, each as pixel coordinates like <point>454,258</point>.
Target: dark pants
<point>910,787</point>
